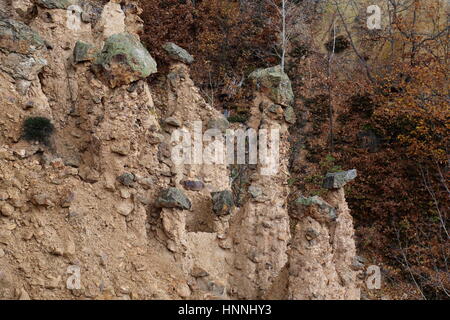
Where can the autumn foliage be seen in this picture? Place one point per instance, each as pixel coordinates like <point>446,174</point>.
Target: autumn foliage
<point>228,40</point>
<point>401,200</point>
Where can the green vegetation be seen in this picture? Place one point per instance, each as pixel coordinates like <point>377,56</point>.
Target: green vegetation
<point>38,129</point>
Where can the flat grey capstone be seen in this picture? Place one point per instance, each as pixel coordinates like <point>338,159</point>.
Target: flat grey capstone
<point>178,53</point>
<point>337,180</point>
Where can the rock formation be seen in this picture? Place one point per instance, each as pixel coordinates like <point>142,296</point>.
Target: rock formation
<point>104,196</point>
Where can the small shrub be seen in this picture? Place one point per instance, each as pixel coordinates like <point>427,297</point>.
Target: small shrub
<point>328,164</point>
<point>315,179</point>
<point>38,129</point>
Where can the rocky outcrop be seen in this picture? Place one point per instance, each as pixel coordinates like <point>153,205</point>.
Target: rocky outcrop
<point>336,180</point>
<point>21,52</point>
<point>123,60</point>
<point>322,251</point>
<point>178,53</point>
<point>83,52</point>
<point>173,198</point>
<point>223,202</point>
<point>289,115</point>
<point>275,83</point>
<point>19,38</point>
<point>63,207</point>
<point>324,207</point>
<point>260,229</point>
